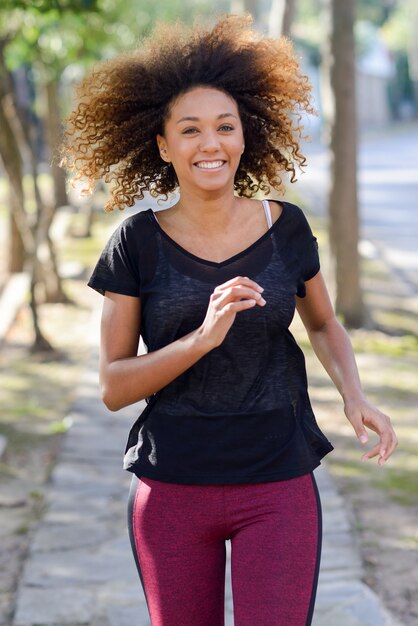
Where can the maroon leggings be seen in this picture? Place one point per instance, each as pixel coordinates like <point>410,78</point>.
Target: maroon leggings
<point>178,535</point>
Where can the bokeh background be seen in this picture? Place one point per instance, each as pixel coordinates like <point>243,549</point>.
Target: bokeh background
<point>359,189</point>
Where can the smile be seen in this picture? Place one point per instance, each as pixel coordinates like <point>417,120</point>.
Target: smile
<point>209,165</point>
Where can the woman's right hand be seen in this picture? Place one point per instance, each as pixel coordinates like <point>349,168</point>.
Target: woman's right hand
<point>238,294</point>
<point>126,377</point>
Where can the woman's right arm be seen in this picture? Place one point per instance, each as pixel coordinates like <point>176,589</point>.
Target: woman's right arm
<point>126,378</point>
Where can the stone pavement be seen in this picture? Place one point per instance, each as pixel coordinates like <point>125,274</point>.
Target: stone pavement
<point>80,570</point>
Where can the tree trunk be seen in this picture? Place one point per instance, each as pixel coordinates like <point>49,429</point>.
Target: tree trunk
<point>47,275</point>
<point>40,343</point>
<point>12,132</point>
<point>281,17</point>
<point>327,96</point>
<point>16,253</point>
<point>343,204</point>
<point>288,17</point>
<point>253,7</point>
<point>52,125</point>
<point>239,7</point>
<point>12,161</point>
<point>10,155</point>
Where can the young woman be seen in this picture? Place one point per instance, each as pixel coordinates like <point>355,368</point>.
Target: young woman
<point>227,444</point>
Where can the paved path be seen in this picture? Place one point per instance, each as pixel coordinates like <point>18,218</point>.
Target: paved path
<point>80,571</point>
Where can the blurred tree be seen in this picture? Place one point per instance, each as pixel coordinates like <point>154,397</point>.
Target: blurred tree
<point>282,14</point>
<point>44,6</point>
<point>376,11</point>
<point>31,217</point>
<point>324,27</point>
<point>254,7</point>
<point>42,42</point>
<point>343,200</point>
<point>399,32</point>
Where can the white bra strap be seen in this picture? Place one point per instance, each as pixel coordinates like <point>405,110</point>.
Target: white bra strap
<point>155,217</point>
<point>267,211</point>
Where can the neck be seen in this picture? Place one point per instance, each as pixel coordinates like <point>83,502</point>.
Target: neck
<point>211,210</point>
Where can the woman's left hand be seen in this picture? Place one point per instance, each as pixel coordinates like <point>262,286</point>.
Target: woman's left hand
<point>361,414</point>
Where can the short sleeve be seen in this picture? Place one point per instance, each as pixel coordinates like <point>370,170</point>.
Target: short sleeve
<point>307,252</point>
<point>311,264</point>
<point>117,269</point>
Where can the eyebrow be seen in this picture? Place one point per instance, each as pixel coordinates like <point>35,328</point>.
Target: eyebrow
<point>191,118</point>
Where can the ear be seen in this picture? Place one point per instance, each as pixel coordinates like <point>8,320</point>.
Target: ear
<point>162,147</point>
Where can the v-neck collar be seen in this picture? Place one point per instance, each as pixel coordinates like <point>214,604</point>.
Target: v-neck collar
<point>229,260</point>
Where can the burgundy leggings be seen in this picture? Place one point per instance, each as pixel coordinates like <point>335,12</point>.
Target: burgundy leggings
<point>178,535</point>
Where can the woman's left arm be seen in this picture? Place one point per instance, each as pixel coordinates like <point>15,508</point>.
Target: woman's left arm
<point>332,346</point>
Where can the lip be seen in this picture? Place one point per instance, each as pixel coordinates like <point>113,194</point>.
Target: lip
<point>210,168</point>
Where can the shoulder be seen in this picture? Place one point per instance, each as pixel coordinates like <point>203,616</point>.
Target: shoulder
<point>294,213</point>
<point>295,220</point>
<point>134,229</point>
<point>287,211</point>
<point>141,219</point>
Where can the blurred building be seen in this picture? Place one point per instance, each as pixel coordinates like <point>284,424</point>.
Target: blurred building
<point>375,70</point>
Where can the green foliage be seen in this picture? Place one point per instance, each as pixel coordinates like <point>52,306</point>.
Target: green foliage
<point>51,41</point>
<point>45,6</point>
<point>308,10</point>
<point>376,11</point>
<point>401,485</point>
<point>398,31</point>
<point>306,32</point>
<point>53,34</point>
<point>387,16</point>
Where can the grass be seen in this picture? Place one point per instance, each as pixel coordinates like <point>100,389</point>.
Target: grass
<point>400,484</point>
<point>379,343</point>
<point>36,391</point>
<point>397,479</point>
<point>388,365</point>
<point>86,250</point>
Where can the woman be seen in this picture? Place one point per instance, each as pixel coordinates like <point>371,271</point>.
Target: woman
<point>227,444</point>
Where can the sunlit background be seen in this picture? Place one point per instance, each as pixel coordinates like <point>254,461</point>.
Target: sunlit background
<point>360,192</point>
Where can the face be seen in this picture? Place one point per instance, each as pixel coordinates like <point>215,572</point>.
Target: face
<point>203,139</point>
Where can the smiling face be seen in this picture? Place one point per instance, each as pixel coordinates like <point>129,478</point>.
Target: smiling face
<point>203,139</point>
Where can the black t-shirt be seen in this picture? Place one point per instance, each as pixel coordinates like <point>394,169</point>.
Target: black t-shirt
<point>242,413</point>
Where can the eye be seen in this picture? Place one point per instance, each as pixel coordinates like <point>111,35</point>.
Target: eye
<point>226,128</point>
<point>189,131</point>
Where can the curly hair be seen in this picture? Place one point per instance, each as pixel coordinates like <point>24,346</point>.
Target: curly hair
<point>123,105</point>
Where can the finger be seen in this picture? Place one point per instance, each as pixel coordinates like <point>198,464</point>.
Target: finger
<point>381,424</point>
<point>387,441</point>
<point>380,451</point>
<point>240,280</point>
<point>236,307</point>
<point>371,453</point>
<point>391,448</point>
<point>239,293</point>
<point>358,425</point>
<point>361,432</point>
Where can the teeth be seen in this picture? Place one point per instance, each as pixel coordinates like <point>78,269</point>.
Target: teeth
<point>209,165</point>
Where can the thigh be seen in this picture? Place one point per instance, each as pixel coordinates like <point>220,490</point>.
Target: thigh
<point>176,535</point>
<point>275,555</point>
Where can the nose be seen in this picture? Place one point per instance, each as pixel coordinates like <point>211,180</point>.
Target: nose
<point>209,142</point>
